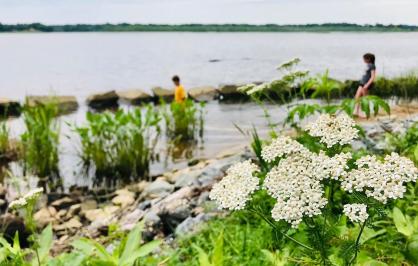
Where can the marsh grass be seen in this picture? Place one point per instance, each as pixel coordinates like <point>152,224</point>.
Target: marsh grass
<point>4,138</point>
<point>40,140</point>
<point>118,146</point>
<point>184,121</point>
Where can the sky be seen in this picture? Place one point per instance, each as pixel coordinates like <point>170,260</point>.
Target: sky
<point>209,11</point>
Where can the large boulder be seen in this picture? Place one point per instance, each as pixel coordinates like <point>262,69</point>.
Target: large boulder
<point>103,100</point>
<point>9,107</point>
<point>134,96</point>
<point>162,93</point>
<point>229,92</point>
<point>66,104</point>
<point>203,94</point>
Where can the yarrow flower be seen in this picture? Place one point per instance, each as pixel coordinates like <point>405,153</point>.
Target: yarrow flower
<point>381,180</point>
<point>235,189</point>
<point>281,146</point>
<point>334,129</point>
<point>18,204</point>
<point>357,213</point>
<point>31,196</point>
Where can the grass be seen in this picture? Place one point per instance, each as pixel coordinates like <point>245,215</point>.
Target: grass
<point>184,121</point>
<point>40,140</point>
<point>119,145</point>
<point>4,138</point>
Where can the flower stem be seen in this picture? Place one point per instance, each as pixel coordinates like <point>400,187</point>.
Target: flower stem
<point>353,259</point>
<point>278,230</point>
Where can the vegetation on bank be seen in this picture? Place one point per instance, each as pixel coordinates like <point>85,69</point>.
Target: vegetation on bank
<point>326,27</point>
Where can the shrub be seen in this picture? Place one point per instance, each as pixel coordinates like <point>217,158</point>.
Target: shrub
<point>119,145</point>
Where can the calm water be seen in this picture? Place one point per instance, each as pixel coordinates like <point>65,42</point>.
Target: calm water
<point>83,63</point>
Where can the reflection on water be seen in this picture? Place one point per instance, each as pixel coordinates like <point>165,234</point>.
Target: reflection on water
<point>220,134</point>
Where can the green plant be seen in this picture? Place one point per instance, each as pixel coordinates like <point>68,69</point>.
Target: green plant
<point>217,258</point>
<point>4,138</point>
<point>406,143</point>
<point>324,87</point>
<point>40,140</point>
<point>126,253</point>
<point>119,145</point>
<point>184,121</point>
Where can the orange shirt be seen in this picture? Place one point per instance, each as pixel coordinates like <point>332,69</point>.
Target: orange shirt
<point>179,94</point>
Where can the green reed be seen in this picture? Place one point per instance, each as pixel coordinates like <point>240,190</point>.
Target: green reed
<point>184,121</point>
<point>119,145</point>
<point>4,138</point>
<point>40,140</point>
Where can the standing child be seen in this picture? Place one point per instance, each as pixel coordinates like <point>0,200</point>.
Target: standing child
<point>367,81</point>
<point>179,92</point>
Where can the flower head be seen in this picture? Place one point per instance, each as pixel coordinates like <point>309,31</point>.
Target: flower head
<point>381,180</point>
<point>34,194</point>
<point>234,190</point>
<point>334,129</point>
<point>357,213</point>
<point>18,204</point>
<point>281,146</point>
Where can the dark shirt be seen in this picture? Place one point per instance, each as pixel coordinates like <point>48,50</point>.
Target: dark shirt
<point>367,74</point>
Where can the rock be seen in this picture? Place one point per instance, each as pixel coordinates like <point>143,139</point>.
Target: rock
<point>157,189</point>
<point>73,223</point>
<point>129,221</point>
<point>161,93</point>
<point>64,203</point>
<point>174,213</point>
<point>103,100</point>
<point>191,224</point>
<point>123,200</point>
<point>73,210</point>
<point>9,107</point>
<point>45,216</point>
<point>188,178</point>
<point>203,197</point>
<point>229,92</point>
<point>88,205</point>
<point>66,104</point>
<point>134,96</point>
<point>100,214</point>
<point>151,219</point>
<point>138,187</point>
<point>203,94</point>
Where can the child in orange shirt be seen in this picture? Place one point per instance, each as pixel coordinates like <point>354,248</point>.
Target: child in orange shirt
<point>179,92</point>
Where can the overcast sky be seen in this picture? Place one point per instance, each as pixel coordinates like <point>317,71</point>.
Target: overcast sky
<point>209,11</point>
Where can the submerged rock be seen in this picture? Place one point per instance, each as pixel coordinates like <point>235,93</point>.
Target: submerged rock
<point>66,104</point>
<point>9,107</point>
<point>103,100</point>
<point>230,93</point>
<point>203,94</point>
<point>134,96</point>
<point>162,93</point>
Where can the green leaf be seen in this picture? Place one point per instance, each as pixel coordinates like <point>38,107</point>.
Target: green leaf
<point>365,106</point>
<point>402,222</point>
<point>218,255</point>
<point>139,253</point>
<point>203,257</point>
<point>133,241</point>
<point>45,243</point>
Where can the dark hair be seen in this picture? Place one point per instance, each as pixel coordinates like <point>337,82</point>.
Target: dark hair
<point>176,78</point>
<point>369,58</point>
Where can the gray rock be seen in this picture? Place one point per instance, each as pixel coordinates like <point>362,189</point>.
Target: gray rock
<point>129,221</point>
<point>191,224</point>
<point>165,94</point>
<point>66,104</point>
<point>103,100</point>
<point>229,92</point>
<point>203,94</point>
<point>203,198</point>
<point>134,96</point>
<point>188,178</point>
<point>64,203</point>
<point>151,219</point>
<point>157,189</point>
<point>9,107</point>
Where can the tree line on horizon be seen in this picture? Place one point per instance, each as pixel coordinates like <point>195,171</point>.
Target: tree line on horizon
<point>326,27</point>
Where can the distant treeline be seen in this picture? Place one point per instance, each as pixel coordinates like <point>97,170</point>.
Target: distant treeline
<point>328,27</point>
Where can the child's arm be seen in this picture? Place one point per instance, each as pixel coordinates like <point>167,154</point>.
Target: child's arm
<point>371,80</point>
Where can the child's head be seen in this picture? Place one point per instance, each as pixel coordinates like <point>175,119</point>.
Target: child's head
<point>369,58</point>
<point>176,80</point>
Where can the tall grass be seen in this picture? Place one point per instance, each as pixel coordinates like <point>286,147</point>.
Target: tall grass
<point>40,140</point>
<point>119,146</point>
<point>4,138</point>
<point>184,121</point>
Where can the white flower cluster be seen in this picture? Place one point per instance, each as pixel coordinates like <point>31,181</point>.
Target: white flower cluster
<point>334,129</point>
<point>31,196</point>
<point>281,146</point>
<point>357,213</point>
<point>381,180</point>
<point>295,183</point>
<point>234,190</point>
